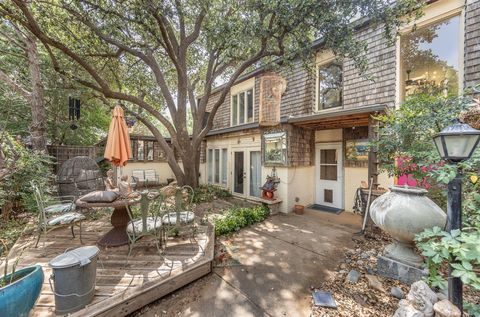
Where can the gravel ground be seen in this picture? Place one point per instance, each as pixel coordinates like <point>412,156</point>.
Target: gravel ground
<point>358,300</point>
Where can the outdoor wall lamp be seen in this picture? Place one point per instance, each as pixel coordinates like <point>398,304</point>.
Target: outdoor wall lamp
<point>456,143</point>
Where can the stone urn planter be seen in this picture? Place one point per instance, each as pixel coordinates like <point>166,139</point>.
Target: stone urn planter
<point>402,213</point>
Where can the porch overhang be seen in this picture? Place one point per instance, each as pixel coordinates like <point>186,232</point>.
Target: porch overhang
<point>337,118</point>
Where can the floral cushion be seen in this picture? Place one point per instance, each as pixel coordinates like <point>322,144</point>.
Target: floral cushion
<point>152,224</point>
<point>60,208</point>
<point>68,218</point>
<point>185,217</point>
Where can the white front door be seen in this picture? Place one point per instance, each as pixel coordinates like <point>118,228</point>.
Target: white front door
<point>329,175</point>
<point>246,172</point>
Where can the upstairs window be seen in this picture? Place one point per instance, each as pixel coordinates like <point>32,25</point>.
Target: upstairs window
<point>430,58</point>
<point>242,107</point>
<point>329,89</point>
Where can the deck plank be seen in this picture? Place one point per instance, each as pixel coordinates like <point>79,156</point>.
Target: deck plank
<point>121,287</point>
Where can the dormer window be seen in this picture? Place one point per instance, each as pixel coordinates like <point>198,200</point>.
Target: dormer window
<point>329,88</point>
<point>242,107</point>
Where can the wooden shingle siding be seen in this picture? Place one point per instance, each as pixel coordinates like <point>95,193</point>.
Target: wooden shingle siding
<point>472,44</point>
<point>300,93</point>
<point>301,146</point>
<point>222,117</point>
<point>379,88</point>
<point>376,87</point>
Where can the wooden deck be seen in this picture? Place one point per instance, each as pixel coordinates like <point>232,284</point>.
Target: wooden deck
<point>121,288</point>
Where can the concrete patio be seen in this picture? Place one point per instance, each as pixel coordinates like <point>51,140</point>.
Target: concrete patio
<point>275,264</point>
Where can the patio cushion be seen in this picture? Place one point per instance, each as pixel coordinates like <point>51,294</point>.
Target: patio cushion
<point>185,217</point>
<point>68,218</point>
<point>100,197</point>
<point>60,208</point>
<point>152,223</point>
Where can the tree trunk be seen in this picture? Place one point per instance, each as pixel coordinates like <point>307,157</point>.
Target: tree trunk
<point>37,102</point>
<point>189,174</point>
<point>190,170</point>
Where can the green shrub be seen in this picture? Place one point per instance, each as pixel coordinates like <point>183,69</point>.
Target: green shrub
<point>15,190</point>
<point>237,218</point>
<point>207,193</point>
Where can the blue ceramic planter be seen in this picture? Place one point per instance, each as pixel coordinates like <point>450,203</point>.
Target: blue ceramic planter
<point>18,298</point>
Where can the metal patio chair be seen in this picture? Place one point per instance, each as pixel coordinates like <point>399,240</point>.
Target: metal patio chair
<point>54,213</point>
<point>180,220</point>
<point>148,224</point>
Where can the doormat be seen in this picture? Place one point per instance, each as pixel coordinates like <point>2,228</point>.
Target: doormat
<point>332,210</point>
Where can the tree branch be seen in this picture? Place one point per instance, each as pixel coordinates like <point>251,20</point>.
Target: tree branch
<point>15,86</point>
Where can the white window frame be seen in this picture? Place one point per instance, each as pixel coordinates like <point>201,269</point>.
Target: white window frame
<point>237,90</point>
<point>323,58</point>
<point>433,13</point>
<point>245,107</point>
<point>211,168</point>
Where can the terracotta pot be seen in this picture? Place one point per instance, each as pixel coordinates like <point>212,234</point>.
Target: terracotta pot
<point>402,213</point>
<point>298,209</point>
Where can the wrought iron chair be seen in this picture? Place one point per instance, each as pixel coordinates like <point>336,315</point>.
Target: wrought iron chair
<point>149,224</point>
<point>179,220</point>
<point>55,213</point>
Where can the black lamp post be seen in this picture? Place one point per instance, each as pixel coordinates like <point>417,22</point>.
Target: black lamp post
<point>456,143</point>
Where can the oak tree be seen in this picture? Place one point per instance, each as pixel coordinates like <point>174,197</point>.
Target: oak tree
<point>166,57</point>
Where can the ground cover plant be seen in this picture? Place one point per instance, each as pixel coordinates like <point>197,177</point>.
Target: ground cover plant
<point>207,193</point>
<point>236,218</point>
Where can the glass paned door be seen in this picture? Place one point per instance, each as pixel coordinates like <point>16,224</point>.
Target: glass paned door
<point>255,173</point>
<point>329,175</point>
<point>238,172</point>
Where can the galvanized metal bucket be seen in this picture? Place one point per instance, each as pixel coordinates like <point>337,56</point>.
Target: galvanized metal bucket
<point>74,274</point>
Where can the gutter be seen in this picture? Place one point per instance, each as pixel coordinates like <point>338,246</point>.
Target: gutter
<point>248,126</point>
<point>336,113</point>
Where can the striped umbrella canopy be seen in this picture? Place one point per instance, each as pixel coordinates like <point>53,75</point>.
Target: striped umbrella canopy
<point>118,149</point>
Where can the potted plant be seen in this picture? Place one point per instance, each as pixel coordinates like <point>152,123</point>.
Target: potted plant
<point>20,289</point>
<point>297,208</point>
<point>406,151</point>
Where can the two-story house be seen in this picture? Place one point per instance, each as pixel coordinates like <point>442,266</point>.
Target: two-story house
<point>318,146</point>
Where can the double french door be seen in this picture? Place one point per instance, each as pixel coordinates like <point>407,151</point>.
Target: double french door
<point>247,172</point>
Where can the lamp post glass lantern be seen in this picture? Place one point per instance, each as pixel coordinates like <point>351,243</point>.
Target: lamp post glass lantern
<point>456,143</point>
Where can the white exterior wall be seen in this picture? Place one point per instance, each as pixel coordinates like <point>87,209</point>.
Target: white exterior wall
<point>353,178</point>
<point>203,173</point>
<point>300,184</point>
<point>385,181</point>
<point>294,181</point>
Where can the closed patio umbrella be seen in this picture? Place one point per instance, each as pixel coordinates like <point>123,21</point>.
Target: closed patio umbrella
<point>118,149</point>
